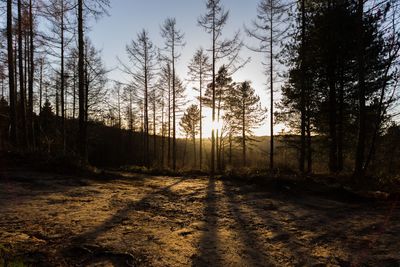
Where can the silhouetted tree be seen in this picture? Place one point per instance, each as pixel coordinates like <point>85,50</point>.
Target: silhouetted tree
<point>246,111</point>
<point>199,71</point>
<point>173,39</point>
<point>190,122</point>
<point>21,72</point>
<point>143,56</point>
<point>270,30</point>
<point>11,76</point>
<point>213,22</point>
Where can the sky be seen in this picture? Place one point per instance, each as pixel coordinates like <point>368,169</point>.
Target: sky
<point>127,17</point>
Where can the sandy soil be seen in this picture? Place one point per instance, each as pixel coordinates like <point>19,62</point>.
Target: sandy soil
<point>55,220</point>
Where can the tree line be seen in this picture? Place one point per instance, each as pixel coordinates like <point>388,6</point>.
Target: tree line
<point>335,63</point>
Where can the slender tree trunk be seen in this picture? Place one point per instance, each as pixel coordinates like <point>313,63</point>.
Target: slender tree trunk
<point>201,118</point>
<point>87,86</point>
<point>82,124</point>
<point>154,131</point>
<point>11,80</point>
<point>213,95</point>
<point>381,110</point>
<point>359,163</point>
<point>57,98</point>
<point>21,79</point>
<point>333,156</point>
<point>173,105</point>
<point>309,149</point>
<point>194,152</point>
<point>162,132</point>
<point>244,133</point>
<point>74,92</point>
<point>271,154</point>
<point>169,118</point>
<point>16,75</point>
<point>41,86</point>
<point>30,82</point>
<point>62,77</point>
<point>146,111</point>
<point>303,89</point>
<point>218,139</point>
<point>340,123</point>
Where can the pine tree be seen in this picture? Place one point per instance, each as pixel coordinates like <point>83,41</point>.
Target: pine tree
<point>190,123</point>
<point>246,112</point>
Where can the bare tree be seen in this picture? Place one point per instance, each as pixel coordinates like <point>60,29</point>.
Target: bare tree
<point>56,11</point>
<point>213,22</point>
<point>173,39</point>
<point>270,29</point>
<point>143,56</point>
<point>199,71</point>
<point>21,80</point>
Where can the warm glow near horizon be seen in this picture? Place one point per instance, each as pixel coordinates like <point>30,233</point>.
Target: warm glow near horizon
<point>128,18</point>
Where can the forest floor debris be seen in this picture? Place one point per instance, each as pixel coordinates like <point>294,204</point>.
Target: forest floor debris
<point>138,220</point>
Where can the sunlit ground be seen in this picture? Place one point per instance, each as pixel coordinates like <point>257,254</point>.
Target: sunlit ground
<point>160,221</point>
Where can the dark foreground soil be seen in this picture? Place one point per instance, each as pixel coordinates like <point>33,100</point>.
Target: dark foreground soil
<point>56,220</point>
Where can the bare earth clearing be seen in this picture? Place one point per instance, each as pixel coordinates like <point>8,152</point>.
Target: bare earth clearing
<point>55,220</point>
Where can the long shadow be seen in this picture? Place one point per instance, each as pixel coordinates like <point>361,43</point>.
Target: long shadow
<point>252,241</point>
<point>328,224</point>
<point>208,243</point>
<point>116,219</point>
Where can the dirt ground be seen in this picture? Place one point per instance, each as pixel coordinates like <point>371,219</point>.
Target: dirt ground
<point>56,220</point>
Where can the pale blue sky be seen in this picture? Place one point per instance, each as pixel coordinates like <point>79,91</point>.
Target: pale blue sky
<point>128,17</point>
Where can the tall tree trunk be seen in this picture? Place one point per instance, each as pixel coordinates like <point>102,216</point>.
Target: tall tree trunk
<point>359,163</point>
<point>62,77</point>
<point>154,131</point>
<point>146,111</point>
<point>271,154</point>
<point>30,80</point>
<point>201,118</point>
<point>169,118</point>
<point>74,91</point>
<point>309,149</point>
<point>11,80</point>
<point>41,86</point>
<point>303,88</point>
<point>162,132</point>
<point>173,105</point>
<point>244,134</point>
<point>81,86</point>
<point>333,156</point>
<point>218,139</point>
<point>340,134</point>
<point>21,79</point>
<point>213,95</point>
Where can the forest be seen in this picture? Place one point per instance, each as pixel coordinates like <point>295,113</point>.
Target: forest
<point>165,161</point>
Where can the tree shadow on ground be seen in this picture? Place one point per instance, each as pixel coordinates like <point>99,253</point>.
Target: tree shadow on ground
<point>77,250</point>
<point>207,254</point>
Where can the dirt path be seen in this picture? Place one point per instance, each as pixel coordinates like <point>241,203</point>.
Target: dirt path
<point>51,220</point>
